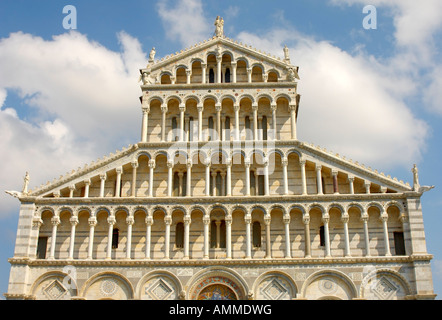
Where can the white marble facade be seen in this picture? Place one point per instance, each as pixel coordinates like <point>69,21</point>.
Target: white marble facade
<point>219,197</point>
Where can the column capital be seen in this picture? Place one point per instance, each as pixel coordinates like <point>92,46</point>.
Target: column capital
<point>188,72</point>
<point>187,220</point>
<point>334,172</point>
<point>267,219</point>
<point>345,217</point>
<point>248,218</point>
<point>306,218</point>
<point>218,107</point>
<point>383,217</point>
<point>92,221</point>
<point>302,162</point>
<point>364,217</point>
<point>119,170</point>
<point>284,161</point>
<point>130,220</point>
<point>286,219</point>
<point>73,220</point>
<point>134,164</point>
<point>273,106</point>
<point>111,220</point>
<point>182,107</point>
<point>149,220</point>
<point>145,110</point>
<point>37,222</point>
<point>318,167</point>
<point>351,178</point>
<point>55,221</point>
<point>103,176</point>
<point>152,164</point>
<point>168,220</point>
<point>189,163</point>
<point>236,107</point>
<point>200,107</point>
<point>87,181</point>
<point>72,187</point>
<point>164,108</point>
<point>403,218</point>
<point>170,164</point>
<point>326,218</point>
<point>228,219</point>
<point>206,219</point>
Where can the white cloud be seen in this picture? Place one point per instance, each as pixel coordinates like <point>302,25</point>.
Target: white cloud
<point>347,104</point>
<point>85,101</point>
<point>185,21</point>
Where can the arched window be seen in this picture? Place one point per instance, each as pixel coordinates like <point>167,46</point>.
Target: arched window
<point>248,130</point>
<point>210,128</point>
<point>115,238</point>
<point>228,75</point>
<point>264,128</point>
<point>256,231</point>
<point>252,183</point>
<point>321,236</point>
<point>174,129</point>
<point>227,129</point>
<point>211,76</point>
<point>179,235</point>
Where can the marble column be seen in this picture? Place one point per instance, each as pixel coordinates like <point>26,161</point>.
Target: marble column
<point>55,221</point>
<point>248,221</point>
<point>102,184</point>
<point>189,179</point>
<point>267,221</point>
<point>266,177</point>
<point>169,178</point>
<point>204,70</point>
<point>234,66</point>
<point>351,180</point>
<point>110,233</point>
<point>335,181</point>
<point>218,69</point>
<point>237,132</point>
<point>384,219</point>
<point>345,217</point>
<point>207,164</point>
<point>319,179</point>
<point>188,75</point>
<point>303,177</point>
<point>129,221</point>
<point>229,178</point>
<point>326,220</point>
<point>119,171</point>
<point>168,222</point>
<point>274,124</point>
<point>187,222</point>
<point>255,121</point>
<point>293,121</point>
<point>87,184</point>
<point>247,166</point>
<point>151,171</point>
<point>307,245</point>
<point>134,178</point>
<point>74,222</point>
<point>181,133</point>
<point>206,222</point>
<point>364,218</point>
<point>285,163</point>
<point>249,75</point>
<point>200,122</point>
<point>228,221</point>
<point>71,191</point>
<point>149,222</point>
<point>92,224</point>
<point>164,110</point>
<point>144,124</point>
<point>218,122</point>
<point>286,220</point>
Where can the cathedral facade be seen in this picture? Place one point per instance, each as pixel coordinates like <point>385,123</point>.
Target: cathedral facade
<point>220,200</point>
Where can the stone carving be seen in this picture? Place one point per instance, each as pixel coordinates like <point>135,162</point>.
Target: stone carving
<point>219,27</point>
<point>25,183</point>
<point>54,291</point>
<point>108,287</point>
<point>152,55</point>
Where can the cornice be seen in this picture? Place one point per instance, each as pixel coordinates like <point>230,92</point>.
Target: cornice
<point>222,262</point>
<point>212,86</point>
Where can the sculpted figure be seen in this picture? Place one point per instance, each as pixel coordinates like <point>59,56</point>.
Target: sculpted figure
<point>219,24</point>
<point>152,55</point>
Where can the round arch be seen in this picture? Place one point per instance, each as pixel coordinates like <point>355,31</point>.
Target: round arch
<point>107,285</point>
<point>331,283</point>
<point>274,285</point>
<point>159,285</point>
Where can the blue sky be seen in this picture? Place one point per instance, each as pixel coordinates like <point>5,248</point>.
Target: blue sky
<point>70,97</point>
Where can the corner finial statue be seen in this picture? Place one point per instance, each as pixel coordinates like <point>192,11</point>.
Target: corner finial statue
<point>25,183</point>
<point>416,184</point>
<point>286,54</point>
<point>219,24</point>
<point>152,55</point>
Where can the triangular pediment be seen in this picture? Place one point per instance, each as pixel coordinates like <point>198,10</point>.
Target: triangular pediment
<point>218,47</point>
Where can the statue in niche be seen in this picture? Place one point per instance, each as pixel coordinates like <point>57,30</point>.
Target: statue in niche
<point>219,24</point>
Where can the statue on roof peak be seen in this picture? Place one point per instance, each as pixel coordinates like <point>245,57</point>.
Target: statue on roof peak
<point>219,26</point>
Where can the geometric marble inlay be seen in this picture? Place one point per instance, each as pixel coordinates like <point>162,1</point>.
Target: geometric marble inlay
<point>108,287</point>
<point>160,290</point>
<point>384,289</point>
<point>54,291</point>
<point>274,290</point>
